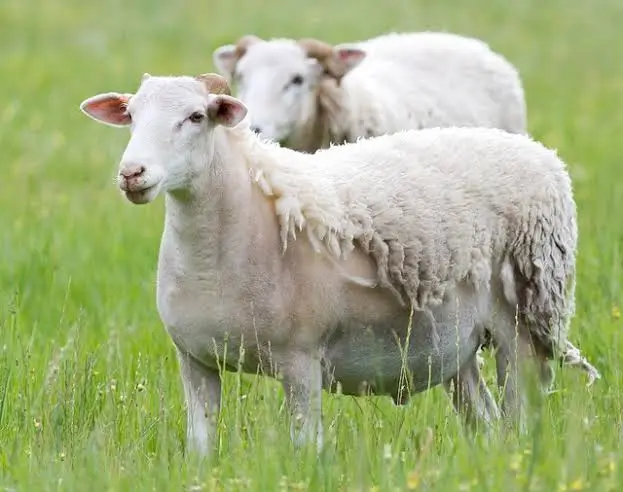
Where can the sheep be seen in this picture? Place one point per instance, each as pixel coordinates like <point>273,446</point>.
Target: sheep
<point>375,267</point>
<point>307,94</point>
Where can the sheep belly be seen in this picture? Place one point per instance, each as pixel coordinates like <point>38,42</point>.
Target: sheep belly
<point>370,357</point>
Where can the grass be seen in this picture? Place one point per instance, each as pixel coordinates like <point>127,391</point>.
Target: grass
<point>90,397</point>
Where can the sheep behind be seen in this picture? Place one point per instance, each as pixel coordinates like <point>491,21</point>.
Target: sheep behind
<point>307,94</point>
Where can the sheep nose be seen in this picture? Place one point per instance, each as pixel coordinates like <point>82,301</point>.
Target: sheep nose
<point>256,129</point>
<point>134,171</point>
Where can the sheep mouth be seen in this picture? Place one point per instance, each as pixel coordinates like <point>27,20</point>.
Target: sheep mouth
<point>142,196</point>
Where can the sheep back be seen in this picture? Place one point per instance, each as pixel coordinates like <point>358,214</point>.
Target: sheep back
<point>428,79</point>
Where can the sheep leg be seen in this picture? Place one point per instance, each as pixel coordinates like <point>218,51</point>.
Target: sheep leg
<point>202,390</point>
<point>471,396</point>
<point>509,357</point>
<point>302,384</point>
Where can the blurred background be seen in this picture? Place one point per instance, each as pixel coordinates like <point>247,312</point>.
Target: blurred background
<point>88,381</point>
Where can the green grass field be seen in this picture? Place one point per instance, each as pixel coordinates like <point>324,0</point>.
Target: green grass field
<point>90,397</point>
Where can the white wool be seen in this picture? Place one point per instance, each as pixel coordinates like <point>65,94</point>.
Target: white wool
<point>434,207</point>
<point>454,222</point>
<point>405,81</point>
<point>431,79</point>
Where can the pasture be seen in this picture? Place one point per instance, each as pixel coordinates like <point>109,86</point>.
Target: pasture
<point>90,395</point>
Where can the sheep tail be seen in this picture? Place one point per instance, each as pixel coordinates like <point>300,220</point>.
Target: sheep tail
<point>572,357</point>
<point>544,260</point>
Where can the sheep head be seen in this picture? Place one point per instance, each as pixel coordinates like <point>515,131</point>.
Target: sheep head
<point>172,121</point>
<point>281,82</point>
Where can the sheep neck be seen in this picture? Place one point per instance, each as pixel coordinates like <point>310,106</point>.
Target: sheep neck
<point>311,136</point>
<point>217,227</point>
<point>324,126</point>
<point>331,113</point>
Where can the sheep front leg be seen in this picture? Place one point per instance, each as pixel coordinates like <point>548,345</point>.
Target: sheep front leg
<point>202,390</point>
<point>302,384</point>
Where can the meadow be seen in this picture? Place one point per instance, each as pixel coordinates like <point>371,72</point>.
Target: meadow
<point>90,396</point>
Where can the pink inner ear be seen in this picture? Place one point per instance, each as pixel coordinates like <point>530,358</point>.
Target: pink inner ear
<point>230,112</point>
<point>350,55</point>
<point>111,109</point>
<point>227,111</point>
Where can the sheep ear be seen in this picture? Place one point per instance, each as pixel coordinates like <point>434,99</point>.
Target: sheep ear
<point>348,57</point>
<point>226,110</point>
<point>225,59</point>
<point>109,108</point>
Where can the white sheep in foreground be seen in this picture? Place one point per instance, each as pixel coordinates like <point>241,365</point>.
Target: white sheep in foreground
<point>308,94</point>
<point>320,267</point>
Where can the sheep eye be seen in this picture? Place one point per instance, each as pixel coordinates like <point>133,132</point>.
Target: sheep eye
<point>196,117</point>
<point>297,80</point>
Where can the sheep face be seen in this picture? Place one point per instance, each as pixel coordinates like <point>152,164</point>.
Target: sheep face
<point>277,81</point>
<point>171,120</point>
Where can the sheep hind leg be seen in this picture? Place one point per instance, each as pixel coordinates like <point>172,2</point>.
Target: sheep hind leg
<point>510,381</point>
<point>471,396</point>
<point>520,365</point>
<point>511,340</point>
